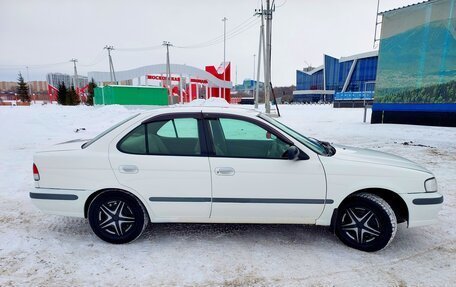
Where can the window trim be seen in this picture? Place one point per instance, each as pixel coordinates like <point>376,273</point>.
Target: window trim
<point>172,116</point>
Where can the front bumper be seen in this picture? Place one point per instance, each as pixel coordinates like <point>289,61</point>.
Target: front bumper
<point>423,208</point>
<point>67,202</point>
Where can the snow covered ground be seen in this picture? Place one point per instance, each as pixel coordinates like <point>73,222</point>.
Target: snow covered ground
<point>44,250</point>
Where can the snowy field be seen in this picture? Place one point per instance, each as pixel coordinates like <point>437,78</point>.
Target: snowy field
<point>44,250</point>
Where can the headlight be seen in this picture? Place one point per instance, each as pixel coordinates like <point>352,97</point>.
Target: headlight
<point>430,185</point>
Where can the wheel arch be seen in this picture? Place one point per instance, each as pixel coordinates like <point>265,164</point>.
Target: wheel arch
<point>98,192</point>
<point>392,198</point>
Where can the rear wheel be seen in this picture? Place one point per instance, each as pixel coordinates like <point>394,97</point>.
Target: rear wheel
<point>117,217</point>
<point>366,222</point>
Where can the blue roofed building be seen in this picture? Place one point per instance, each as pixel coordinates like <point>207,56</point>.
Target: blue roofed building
<point>348,79</point>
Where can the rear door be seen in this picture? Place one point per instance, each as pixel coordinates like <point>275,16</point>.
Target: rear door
<point>252,178</point>
<point>164,159</point>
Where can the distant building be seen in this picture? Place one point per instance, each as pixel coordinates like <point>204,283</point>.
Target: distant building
<point>248,86</point>
<point>55,79</point>
<point>7,86</point>
<point>82,81</point>
<point>34,86</point>
<point>38,87</point>
<point>348,78</point>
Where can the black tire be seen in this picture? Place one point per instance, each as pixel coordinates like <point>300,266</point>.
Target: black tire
<point>366,222</point>
<point>117,217</point>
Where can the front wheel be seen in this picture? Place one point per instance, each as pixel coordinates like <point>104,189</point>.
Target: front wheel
<point>366,222</point>
<point>117,217</point>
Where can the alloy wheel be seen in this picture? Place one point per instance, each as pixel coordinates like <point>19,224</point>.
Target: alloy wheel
<point>115,217</point>
<point>360,224</point>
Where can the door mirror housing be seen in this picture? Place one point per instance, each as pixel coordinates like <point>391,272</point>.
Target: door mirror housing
<point>294,153</point>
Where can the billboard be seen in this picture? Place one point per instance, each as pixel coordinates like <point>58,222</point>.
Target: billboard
<point>417,55</point>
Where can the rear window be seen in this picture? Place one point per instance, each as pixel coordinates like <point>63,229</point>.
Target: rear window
<point>107,131</point>
<point>135,141</point>
<point>175,137</point>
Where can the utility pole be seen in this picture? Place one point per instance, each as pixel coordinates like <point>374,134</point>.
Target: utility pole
<point>75,77</point>
<point>236,82</point>
<point>261,47</point>
<point>254,56</point>
<point>168,71</point>
<point>28,81</point>
<point>112,73</point>
<point>267,69</point>
<point>224,52</point>
<point>253,79</point>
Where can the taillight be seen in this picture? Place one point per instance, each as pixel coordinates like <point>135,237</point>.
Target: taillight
<point>36,174</point>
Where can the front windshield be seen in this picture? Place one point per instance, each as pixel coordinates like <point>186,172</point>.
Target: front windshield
<point>107,131</point>
<point>310,143</point>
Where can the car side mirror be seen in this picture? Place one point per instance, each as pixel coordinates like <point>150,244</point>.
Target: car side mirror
<point>294,153</point>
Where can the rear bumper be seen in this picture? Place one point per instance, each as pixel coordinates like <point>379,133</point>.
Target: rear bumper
<point>68,202</point>
<point>423,208</point>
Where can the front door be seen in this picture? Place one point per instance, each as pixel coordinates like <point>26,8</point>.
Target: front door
<point>254,181</point>
<point>163,161</point>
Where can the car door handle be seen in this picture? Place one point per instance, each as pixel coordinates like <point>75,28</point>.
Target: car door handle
<point>224,171</point>
<point>128,169</point>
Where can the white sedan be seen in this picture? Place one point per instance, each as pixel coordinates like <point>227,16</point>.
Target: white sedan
<point>228,165</point>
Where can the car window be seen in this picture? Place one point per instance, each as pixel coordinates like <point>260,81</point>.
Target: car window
<point>167,130</point>
<point>134,142</point>
<point>242,130</point>
<point>240,138</point>
<point>174,137</point>
<point>313,145</point>
<point>186,128</point>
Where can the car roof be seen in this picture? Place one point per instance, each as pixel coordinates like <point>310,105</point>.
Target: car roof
<point>190,109</point>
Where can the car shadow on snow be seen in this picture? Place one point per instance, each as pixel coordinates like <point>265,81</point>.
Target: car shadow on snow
<point>282,233</point>
<point>318,237</point>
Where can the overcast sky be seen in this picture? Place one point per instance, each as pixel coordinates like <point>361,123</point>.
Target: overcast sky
<point>54,31</point>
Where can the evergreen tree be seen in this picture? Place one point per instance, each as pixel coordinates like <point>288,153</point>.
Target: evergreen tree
<point>72,98</point>
<point>62,94</point>
<point>91,92</point>
<point>22,89</point>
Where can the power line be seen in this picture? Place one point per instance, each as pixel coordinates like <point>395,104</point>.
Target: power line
<point>96,60</point>
<point>283,3</point>
<point>156,47</point>
<point>237,30</point>
<point>230,34</point>
<point>243,26</point>
<point>220,37</point>
<point>15,66</point>
<point>253,24</point>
